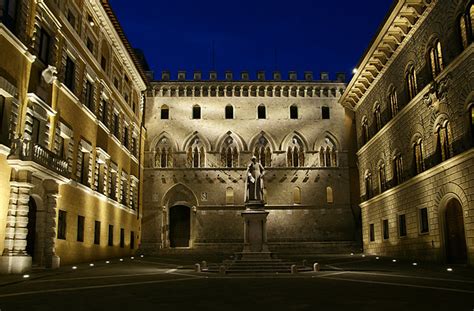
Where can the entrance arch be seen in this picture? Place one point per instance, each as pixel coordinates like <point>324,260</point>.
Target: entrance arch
<point>179,226</point>
<point>455,237</point>
<point>31,235</point>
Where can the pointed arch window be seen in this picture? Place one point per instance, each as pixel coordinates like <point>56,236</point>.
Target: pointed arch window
<point>196,154</point>
<point>261,112</point>
<point>368,185</point>
<point>229,112</point>
<point>164,112</point>
<point>295,153</point>
<point>443,143</point>
<point>229,153</point>
<point>196,112</point>
<point>365,131</point>
<point>382,177</point>
<point>436,58</point>
<point>419,165</point>
<point>263,152</point>
<point>163,154</point>
<point>378,117</point>
<point>293,112</point>
<point>397,169</point>
<point>466,26</point>
<point>411,83</point>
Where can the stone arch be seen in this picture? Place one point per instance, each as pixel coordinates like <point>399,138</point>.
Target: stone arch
<point>237,138</point>
<point>179,194</point>
<point>255,139</point>
<point>321,140</point>
<point>286,142</point>
<point>158,138</point>
<point>189,140</point>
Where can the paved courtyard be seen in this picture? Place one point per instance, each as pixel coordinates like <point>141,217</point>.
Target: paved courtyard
<point>170,283</point>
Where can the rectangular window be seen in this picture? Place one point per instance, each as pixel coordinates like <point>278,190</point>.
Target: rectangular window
<point>424,227</point>
<point>132,240</point>
<point>196,112</point>
<point>111,235</point>
<point>85,168</point>
<point>35,131</point>
<point>103,117</point>
<point>372,232</point>
<point>71,18</point>
<point>80,228</point>
<point>97,232</point>
<point>89,95</point>
<point>45,41</point>
<point>113,185</point>
<point>134,146</point>
<point>125,137</point>
<point>116,125</point>
<point>70,74</point>
<point>62,225</point>
<point>122,237</point>
<point>90,45</point>
<point>8,12</point>
<point>2,110</point>
<point>165,113</point>
<point>325,113</point>
<point>103,63</point>
<point>402,224</point>
<point>386,233</point>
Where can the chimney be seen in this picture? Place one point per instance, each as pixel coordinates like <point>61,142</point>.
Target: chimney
<point>165,75</point>
<point>325,76</point>
<point>197,75</point>
<point>229,76</point>
<point>181,75</point>
<point>261,75</point>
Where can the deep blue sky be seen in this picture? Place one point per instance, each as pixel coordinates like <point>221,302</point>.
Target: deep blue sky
<point>311,35</point>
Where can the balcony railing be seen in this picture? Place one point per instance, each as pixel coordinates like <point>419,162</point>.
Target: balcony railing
<point>30,151</point>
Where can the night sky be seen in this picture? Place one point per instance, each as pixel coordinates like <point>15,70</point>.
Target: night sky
<point>251,35</point>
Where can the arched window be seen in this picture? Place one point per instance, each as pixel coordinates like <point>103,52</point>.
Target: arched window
<point>229,153</point>
<point>382,177</point>
<point>419,165</point>
<point>263,153</point>
<point>297,195</point>
<point>436,58</point>
<point>466,25</point>
<point>164,112</point>
<point>229,112</point>
<point>443,147</point>
<point>368,185</point>
<point>329,195</point>
<point>328,154</point>
<point>411,83</point>
<point>196,154</point>
<point>393,99</point>
<point>163,154</point>
<point>261,112</point>
<point>378,117</point>
<point>365,131</point>
<point>397,169</point>
<point>229,196</point>
<point>295,153</point>
<point>196,112</point>
<point>293,112</point>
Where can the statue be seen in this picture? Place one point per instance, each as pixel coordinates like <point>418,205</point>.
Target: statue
<point>254,181</point>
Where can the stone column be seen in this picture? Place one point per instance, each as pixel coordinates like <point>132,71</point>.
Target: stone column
<point>51,259</point>
<point>14,258</point>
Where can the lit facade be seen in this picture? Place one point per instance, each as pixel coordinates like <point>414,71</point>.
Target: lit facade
<point>202,133</point>
<point>71,135</point>
<point>413,99</point>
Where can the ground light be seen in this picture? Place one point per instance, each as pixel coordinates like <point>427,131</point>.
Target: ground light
<point>142,256</point>
<point>25,276</point>
<point>394,260</point>
<point>363,256</point>
<point>121,259</point>
<point>132,258</point>
<point>377,258</point>
<point>74,267</point>
<point>107,261</point>
<point>449,269</point>
<point>415,264</point>
<point>91,265</point>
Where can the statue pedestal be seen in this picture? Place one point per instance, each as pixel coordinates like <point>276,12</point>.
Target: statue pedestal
<point>255,232</point>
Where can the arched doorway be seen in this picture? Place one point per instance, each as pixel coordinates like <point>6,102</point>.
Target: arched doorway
<point>455,238</point>
<point>31,236</point>
<point>180,226</point>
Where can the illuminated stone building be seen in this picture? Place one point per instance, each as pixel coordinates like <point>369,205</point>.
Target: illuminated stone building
<point>201,135</point>
<point>71,134</point>
<point>413,97</point>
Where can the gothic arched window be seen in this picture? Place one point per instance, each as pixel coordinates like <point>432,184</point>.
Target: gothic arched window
<point>229,153</point>
<point>196,154</point>
<point>263,152</point>
<point>295,153</point>
<point>411,83</point>
<point>163,153</point>
<point>466,25</point>
<point>436,58</point>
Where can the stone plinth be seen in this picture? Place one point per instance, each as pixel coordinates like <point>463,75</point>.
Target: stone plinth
<point>15,264</point>
<point>255,232</point>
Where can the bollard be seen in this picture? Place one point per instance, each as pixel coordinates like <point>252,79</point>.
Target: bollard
<point>197,267</point>
<point>316,267</point>
<point>204,264</point>
<point>294,269</point>
<point>222,269</point>
<point>305,262</point>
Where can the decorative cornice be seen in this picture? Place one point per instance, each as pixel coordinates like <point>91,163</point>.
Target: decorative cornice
<point>400,25</point>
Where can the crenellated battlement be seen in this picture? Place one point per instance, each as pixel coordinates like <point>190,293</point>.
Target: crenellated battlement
<point>261,87</point>
<point>244,76</point>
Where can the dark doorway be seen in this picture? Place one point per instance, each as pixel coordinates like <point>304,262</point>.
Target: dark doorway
<point>180,226</point>
<point>31,236</point>
<point>456,251</point>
